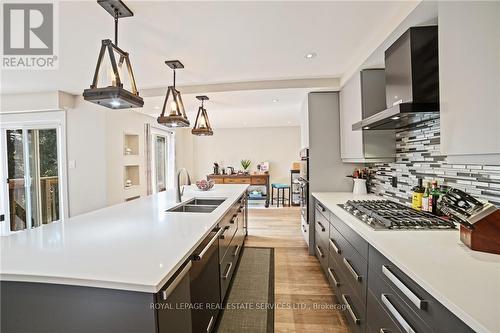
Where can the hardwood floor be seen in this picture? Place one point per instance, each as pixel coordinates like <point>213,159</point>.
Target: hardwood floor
<point>300,285</point>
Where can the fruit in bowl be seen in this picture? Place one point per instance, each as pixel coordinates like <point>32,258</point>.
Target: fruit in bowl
<point>205,185</point>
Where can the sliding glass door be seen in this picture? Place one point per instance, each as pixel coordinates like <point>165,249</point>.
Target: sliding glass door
<point>32,173</point>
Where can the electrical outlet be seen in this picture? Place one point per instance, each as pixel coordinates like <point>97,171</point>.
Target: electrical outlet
<point>394,181</point>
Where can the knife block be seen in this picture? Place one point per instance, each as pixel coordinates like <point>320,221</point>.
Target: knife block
<point>485,237</point>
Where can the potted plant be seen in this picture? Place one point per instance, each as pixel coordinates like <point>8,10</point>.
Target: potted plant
<point>245,164</point>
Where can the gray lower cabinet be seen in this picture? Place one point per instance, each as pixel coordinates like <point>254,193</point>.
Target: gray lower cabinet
<point>385,275</point>
<point>377,295</point>
<point>205,287</point>
<point>174,313</point>
<point>54,308</point>
<point>203,279</point>
<point>233,240</point>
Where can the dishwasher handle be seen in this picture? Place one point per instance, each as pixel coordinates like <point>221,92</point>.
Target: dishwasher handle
<point>200,255</point>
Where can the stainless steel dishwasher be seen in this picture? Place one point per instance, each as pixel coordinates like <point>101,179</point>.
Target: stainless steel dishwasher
<point>205,288</point>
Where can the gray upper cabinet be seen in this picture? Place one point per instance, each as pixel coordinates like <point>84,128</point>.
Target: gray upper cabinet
<point>363,96</point>
<point>469,74</point>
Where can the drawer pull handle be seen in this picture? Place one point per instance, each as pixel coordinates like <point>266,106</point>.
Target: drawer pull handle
<point>167,292</point>
<point>319,251</point>
<point>236,251</point>
<point>421,304</point>
<point>226,276</point>
<point>321,225</point>
<point>351,269</point>
<point>356,320</point>
<point>335,281</point>
<point>407,328</point>
<point>335,247</point>
<point>384,330</point>
<point>321,207</point>
<point>233,219</point>
<point>224,231</point>
<point>210,324</point>
<point>200,255</point>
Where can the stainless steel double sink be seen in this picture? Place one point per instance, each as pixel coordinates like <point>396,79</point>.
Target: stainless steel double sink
<point>198,205</point>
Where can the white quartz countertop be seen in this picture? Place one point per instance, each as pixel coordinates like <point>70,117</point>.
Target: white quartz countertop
<point>135,245</point>
<point>465,281</point>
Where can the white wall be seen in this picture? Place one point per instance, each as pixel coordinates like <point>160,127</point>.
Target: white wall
<point>86,149</point>
<point>278,145</point>
<point>184,150</point>
<point>119,123</point>
<point>304,124</point>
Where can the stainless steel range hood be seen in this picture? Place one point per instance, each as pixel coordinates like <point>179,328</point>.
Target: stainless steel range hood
<point>412,82</point>
<point>399,116</point>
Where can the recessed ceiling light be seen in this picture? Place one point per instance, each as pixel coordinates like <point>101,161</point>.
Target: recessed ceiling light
<point>311,55</point>
<point>276,100</point>
<point>395,118</point>
<point>366,127</point>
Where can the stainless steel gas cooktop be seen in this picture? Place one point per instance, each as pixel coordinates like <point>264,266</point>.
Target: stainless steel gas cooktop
<point>388,215</point>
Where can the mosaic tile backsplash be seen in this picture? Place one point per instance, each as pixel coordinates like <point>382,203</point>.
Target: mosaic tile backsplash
<point>418,156</point>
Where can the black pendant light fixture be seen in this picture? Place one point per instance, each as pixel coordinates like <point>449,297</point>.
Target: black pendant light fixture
<point>202,124</point>
<point>176,115</point>
<point>114,96</point>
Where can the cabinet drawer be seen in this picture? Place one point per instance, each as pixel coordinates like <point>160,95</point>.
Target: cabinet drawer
<point>322,209</point>
<point>225,239</point>
<point>321,252</point>
<point>258,181</point>
<point>227,267</point>
<point>353,266</point>
<point>419,300</point>
<point>355,310</point>
<point>336,243</point>
<point>377,319</point>
<point>218,180</point>
<point>394,305</point>
<point>239,180</point>
<point>356,270</point>
<point>322,228</point>
<point>350,235</point>
<point>304,229</point>
<point>335,276</point>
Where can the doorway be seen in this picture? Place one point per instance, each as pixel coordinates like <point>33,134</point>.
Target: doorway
<point>160,163</point>
<point>160,160</point>
<point>32,169</point>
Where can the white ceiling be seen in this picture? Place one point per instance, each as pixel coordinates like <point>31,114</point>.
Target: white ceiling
<point>236,109</point>
<point>218,42</point>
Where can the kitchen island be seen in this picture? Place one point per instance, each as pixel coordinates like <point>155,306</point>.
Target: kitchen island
<point>434,265</point>
<point>125,254</point>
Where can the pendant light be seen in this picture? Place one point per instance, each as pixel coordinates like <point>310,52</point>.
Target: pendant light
<point>202,124</point>
<point>175,108</point>
<point>114,96</point>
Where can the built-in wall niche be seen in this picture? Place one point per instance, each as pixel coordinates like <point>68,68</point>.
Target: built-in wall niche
<point>131,176</point>
<point>131,144</point>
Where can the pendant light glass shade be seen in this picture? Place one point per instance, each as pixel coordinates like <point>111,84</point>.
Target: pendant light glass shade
<point>118,89</point>
<point>202,125</point>
<point>173,113</point>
